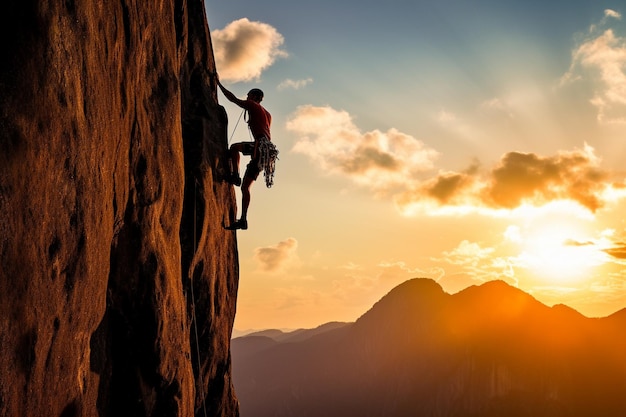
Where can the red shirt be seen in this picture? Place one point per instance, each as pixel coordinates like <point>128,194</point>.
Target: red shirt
<point>259,119</point>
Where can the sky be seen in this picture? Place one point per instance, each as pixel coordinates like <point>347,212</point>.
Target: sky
<point>446,139</point>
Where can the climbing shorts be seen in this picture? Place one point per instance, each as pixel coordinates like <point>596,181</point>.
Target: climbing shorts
<point>252,169</point>
<point>248,148</point>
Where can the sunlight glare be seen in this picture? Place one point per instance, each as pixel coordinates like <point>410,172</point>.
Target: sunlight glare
<point>560,253</point>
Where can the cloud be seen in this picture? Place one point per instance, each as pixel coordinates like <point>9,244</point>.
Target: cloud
<point>446,186</point>
<point>601,60</point>
<point>377,160</point>
<point>399,271</point>
<point>243,49</point>
<point>397,165</point>
<point>294,84</point>
<point>474,264</point>
<point>576,243</point>
<point>351,266</point>
<point>518,179</point>
<point>613,14</point>
<point>618,252</point>
<point>276,258</point>
<point>467,253</point>
<point>522,177</point>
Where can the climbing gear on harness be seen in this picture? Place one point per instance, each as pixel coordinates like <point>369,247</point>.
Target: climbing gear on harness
<point>268,154</point>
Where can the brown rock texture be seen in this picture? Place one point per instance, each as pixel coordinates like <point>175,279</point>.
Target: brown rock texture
<point>112,247</point>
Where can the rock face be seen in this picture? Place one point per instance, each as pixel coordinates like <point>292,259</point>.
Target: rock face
<point>487,351</point>
<point>113,255</point>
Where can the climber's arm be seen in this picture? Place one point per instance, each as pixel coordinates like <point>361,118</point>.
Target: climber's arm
<point>230,96</point>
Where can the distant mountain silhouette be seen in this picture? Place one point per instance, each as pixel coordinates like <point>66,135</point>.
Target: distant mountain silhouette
<point>295,335</point>
<point>252,343</point>
<point>490,350</point>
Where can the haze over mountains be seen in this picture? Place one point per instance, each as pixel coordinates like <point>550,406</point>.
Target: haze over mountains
<point>490,350</point>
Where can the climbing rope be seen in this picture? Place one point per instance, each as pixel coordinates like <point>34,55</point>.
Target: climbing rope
<point>235,129</point>
<point>193,302</point>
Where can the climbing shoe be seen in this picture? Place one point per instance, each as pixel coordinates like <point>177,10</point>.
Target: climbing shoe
<point>234,179</point>
<point>239,224</point>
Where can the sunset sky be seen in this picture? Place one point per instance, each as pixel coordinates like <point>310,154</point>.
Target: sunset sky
<point>460,141</point>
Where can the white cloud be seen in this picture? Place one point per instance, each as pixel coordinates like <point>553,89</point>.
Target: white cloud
<point>601,60</point>
<point>471,264</point>
<point>278,257</point>
<point>294,84</point>
<point>243,49</point>
<point>377,160</point>
<point>613,14</point>
<point>467,253</point>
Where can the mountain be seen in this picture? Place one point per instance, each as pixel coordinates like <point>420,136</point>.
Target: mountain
<point>294,335</point>
<point>255,342</point>
<point>112,205</point>
<point>489,350</point>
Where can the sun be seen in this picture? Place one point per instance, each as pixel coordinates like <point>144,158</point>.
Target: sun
<point>559,252</point>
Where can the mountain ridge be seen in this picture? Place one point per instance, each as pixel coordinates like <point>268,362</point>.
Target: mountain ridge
<point>490,350</point>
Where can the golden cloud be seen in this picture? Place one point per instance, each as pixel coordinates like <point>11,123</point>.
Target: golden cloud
<point>243,49</point>
<point>527,177</point>
<point>276,258</point>
<point>618,252</point>
<point>518,179</point>
<point>379,160</point>
<point>395,164</point>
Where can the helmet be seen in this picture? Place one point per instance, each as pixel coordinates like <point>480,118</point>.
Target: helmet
<point>256,92</point>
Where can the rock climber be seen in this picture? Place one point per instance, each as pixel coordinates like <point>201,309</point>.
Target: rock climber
<point>259,121</point>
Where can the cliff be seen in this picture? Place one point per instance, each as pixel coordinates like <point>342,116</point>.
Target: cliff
<point>112,145</point>
<point>490,350</point>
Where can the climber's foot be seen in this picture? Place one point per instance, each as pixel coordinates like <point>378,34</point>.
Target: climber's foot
<point>239,224</point>
<point>234,179</point>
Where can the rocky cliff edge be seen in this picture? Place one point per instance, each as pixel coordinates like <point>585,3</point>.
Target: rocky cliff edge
<point>113,255</point>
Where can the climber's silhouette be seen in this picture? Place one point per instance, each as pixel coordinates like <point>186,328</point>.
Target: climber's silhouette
<point>259,121</point>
